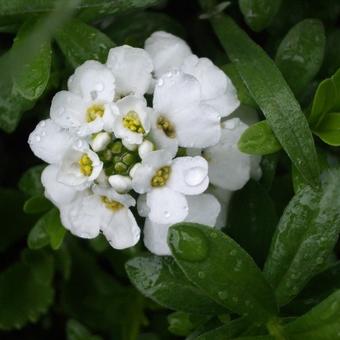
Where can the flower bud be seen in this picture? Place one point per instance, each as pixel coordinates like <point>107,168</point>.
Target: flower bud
<point>100,141</point>
<point>121,184</point>
<point>145,148</point>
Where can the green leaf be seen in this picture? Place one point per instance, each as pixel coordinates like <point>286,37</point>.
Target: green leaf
<point>242,91</point>
<point>24,297</point>
<point>222,269</point>
<point>30,182</point>
<point>37,204</point>
<point>30,78</point>
<point>329,129</point>
<point>134,28</point>
<point>305,237</point>
<point>271,92</point>
<point>321,323</point>
<point>252,220</point>
<point>259,139</point>
<point>48,230</point>
<point>300,54</point>
<point>80,42</point>
<point>268,165</point>
<point>326,99</point>
<point>259,14</point>
<point>76,331</point>
<point>160,279</point>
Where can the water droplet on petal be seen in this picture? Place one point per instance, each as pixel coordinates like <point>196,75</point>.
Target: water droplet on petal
<point>166,214</point>
<point>43,133</point>
<point>38,138</point>
<point>160,82</point>
<point>188,243</point>
<point>168,75</point>
<point>195,176</point>
<point>42,124</point>
<point>99,87</point>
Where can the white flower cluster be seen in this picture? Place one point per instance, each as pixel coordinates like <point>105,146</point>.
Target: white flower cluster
<point>148,126</point>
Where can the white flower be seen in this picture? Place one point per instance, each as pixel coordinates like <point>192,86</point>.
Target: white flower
<point>132,69</point>
<point>88,105</point>
<point>133,121</point>
<point>229,168</point>
<point>58,193</point>
<point>217,89</point>
<point>202,209</point>
<point>180,118</point>
<point>167,51</point>
<point>49,141</point>
<point>102,210</point>
<point>166,181</point>
<point>80,166</point>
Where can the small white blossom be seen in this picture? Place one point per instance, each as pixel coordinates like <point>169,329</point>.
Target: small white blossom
<point>102,210</point>
<point>88,106</point>
<point>133,121</point>
<point>166,181</point>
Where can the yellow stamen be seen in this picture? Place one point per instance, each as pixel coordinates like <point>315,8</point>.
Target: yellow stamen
<point>94,111</point>
<point>165,125</point>
<point>132,122</point>
<point>161,177</point>
<point>85,164</point>
<point>111,204</point>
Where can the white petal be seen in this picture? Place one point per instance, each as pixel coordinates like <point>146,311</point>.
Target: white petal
<point>203,209</point>
<point>100,141</point>
<point>166,50</point>
<point>142,207</point>
<point>93,81</point>
<point>58,193</point>
<point>132,69</point>
<point>229,168</point>
<point>197,126</point>
<point>217,89</point>
<point>189,175</point>
<point>84,216</point>
<point>255,167</point>
<point>121,230</point>
<point>49,141</point>
<point>166,206</point>
<point>121,184</point>
<point>145,148</point>
<point>68,110</point>
<point>176,91</point>
<point>155,237</point>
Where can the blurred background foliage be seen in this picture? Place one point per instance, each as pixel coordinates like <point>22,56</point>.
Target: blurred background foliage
<point>53,285</point>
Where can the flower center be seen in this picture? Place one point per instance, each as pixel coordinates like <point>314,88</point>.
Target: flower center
<point>94,111</point>
<point>117,159</point>
<point>161,177</point>
<point>132,122</point>
<point>111,204</point>
<point>167,127</point>
<point>85,164</point>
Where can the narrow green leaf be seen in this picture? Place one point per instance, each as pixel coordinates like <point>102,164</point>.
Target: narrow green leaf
<point>37,204</point>
<point>252,220</point>
<point>321,323</point>
<point>23,296</point>
<point>271,92</point>
<point>242,91</point>
<point>305,237</point>
<point>30,182</point>
<point>80,42</point>
<point>300,54</point>
<point>259,14</point>
<point>268,165</point>
<point>259,139</point>
<point>76,331</point>
<point>160,279</point>
<point>31,78</point>
<point>326,99</point>
<point>329,129</point>
<point>222,269</point>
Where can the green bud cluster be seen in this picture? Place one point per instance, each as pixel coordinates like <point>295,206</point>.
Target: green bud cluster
<point>117,159</point>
